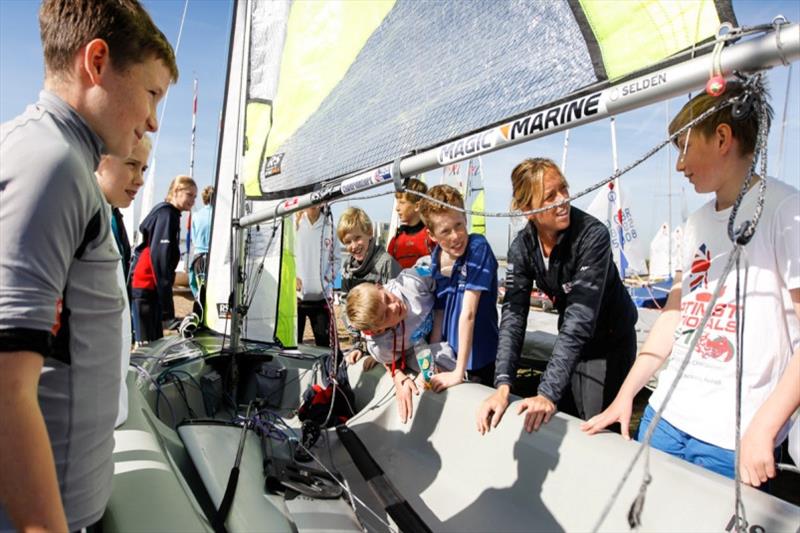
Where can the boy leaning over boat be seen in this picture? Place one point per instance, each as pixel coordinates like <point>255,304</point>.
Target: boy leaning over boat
<point>395,318</point>
<point>367,262</point>
<point>698,423</point>
<point>106,67</point>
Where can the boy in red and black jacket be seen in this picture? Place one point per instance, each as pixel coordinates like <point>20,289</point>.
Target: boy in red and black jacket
<point>412,240</point>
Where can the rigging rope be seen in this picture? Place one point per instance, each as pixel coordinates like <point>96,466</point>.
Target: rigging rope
<point>166,96</point>
<point>591,188</point>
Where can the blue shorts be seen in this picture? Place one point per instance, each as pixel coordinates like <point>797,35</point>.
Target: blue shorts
<point>672,440</point>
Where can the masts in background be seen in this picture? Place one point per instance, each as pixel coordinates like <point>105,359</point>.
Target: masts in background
<point>779,175</point>
<point>194,130</point>
<point>133,214</point>
<point>191,175</point>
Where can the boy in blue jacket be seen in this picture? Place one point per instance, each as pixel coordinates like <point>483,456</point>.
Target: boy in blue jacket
<point>465,270</point>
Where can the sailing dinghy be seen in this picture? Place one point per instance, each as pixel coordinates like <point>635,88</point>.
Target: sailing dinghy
<point>325,100</point>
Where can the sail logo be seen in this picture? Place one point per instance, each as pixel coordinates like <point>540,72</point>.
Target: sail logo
<point>366,180</point>
<point>551,118</point>
<point>698,273</point>
<point>642,85</point>
<point>468,147</point>
<point>272,166</point>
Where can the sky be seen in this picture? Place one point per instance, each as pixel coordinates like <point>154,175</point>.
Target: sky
<point>202,54</point>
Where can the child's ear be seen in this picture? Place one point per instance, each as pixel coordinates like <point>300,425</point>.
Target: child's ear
<point>96,60</point>
<point>724,138</point>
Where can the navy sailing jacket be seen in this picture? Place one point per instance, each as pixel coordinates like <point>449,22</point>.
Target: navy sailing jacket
<point>595,311</point>
<point>158,255</point>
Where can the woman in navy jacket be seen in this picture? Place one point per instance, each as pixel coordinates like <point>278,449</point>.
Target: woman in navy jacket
<point>568,254</point>
<point>153,271</point>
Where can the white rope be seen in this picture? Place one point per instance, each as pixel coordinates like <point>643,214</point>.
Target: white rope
<point>346,488</point>
<point>166,96</point>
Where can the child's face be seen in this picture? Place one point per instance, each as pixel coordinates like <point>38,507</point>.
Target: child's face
<point>356,242</point>
<point>184,198</point>
<point>407,211</point>
<point>698,160</point>
<point>120,179</point>
<point>122,106</point>
<point>554,190</point>
<point>449,229</point>
<point>391,310</point>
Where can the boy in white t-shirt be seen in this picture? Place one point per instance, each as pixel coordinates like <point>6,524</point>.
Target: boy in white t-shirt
<point>698,424</point>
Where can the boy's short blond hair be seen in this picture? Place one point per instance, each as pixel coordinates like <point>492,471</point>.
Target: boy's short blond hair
<point>744,130</point>
<point>412,185</point>
<point>362,305</point>
<point>353,218</point>
<point>527,182</point>
<point>443,193</point>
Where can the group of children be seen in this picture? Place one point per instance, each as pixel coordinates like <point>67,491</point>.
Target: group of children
<point>445,295</point>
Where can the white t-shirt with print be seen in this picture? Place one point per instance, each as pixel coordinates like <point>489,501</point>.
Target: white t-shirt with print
<point>703,404</point>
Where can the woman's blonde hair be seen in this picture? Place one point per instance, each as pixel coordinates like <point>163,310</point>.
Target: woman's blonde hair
<point>178,184</point>
<point>208,195</point>
<point>363,302</point>
<point>527,183</point>
<point>353,218</point>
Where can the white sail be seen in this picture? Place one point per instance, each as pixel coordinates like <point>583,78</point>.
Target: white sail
<point>626,240</point>
<point>659,266</point>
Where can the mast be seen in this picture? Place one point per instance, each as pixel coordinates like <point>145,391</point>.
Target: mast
<point>191,175</point>
<point>194,130</point>
<point>616,216</point>
<point>669,196</point>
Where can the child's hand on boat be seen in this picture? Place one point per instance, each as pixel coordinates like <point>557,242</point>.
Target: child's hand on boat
<point>492,409</point>
<point>538,411</point>
<point>353,356</point>
<point>405,390</point>
<point>444,380</point>
<point>619,411</point>
<point>757,459</point>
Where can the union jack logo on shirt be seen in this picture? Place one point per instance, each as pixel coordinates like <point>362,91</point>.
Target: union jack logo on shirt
<point>698,275</point>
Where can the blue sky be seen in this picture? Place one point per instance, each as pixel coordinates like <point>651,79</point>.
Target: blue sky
<point>203,54</point>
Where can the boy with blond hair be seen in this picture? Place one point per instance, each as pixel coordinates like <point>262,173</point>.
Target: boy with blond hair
<point>394,317</point>
<point>698,425</point>
<point>106,68</point>
<point>465,271</point>
<point>412,239</point>
<point>367,262</point>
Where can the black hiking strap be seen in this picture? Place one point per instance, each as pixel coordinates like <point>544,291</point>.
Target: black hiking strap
<point>396,506</point>
<point>91,232</point>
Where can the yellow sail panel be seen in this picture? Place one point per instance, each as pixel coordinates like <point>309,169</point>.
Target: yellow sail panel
<point>322,41</point>
<point>633,34</point>
<point>477,224</point>
<point>286,327</point>
<point>257,125</point>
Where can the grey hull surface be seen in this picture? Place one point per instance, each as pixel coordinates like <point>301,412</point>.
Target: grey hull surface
<point>556,479</point>
<point>171,468</point>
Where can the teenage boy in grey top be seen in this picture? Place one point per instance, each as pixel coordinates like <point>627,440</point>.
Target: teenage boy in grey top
<point>106,67</point>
